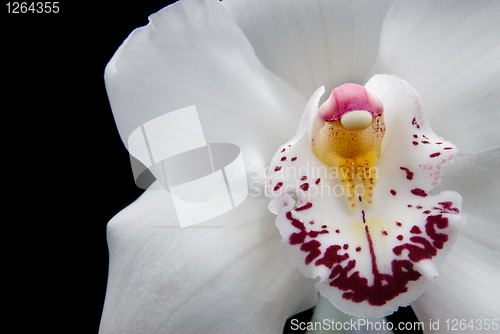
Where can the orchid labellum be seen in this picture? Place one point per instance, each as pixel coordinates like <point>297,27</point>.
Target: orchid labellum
<point>363,220</point>
<point>358,124</point>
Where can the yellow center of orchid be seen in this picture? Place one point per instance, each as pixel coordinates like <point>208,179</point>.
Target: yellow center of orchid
<point>352,141</point>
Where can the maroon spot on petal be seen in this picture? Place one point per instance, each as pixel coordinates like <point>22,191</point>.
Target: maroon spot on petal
<point>409,174</point>
<point>433,155</point>
<point>415,230</point>
<point>346,246</point>
<point>438,238</point>
<point>304,186</point>
<point>409,205</point>
<point>438,143</point>
<point>393,192</point>
<point>337,231</point>
<point>398,223</point>
<point>305,207</point>
<point>384,233</point>
<point>294,158</point>
<point>331,257</point>
<point>448,148</point>
<point>414,122</point>
<point>415,136</point>
<point>446,207</point>
<point>278,168</point>
<point>278,186</point>
<point>283,159</point>
<point>400,237</point>
<point>419,192</point>
<point>419,207</point>
<point>425,142</point>
<point>318,181</point>
<point>313,248</point>
<point>415,143</point>
<point>426,212</point>
<point>303,178</point>
<point>358,249</point>
<point>283,150</point>
<point>417,253</point>
<point>425,136</point>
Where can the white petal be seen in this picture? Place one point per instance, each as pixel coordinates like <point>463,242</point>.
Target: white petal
<point>224,276</point>
<point>370,261</point>
<point>193,53</point>
<point>449,52</point>
<point>313,43</point>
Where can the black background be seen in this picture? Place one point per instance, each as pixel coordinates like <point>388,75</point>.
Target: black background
<point>66,172</point>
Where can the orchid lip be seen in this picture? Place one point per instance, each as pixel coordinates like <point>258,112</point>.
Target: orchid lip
<point>363,221</point>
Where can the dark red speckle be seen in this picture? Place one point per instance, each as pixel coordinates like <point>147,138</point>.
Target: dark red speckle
<point>278,168</point>
<point>384,232</point>
<point>331,257</point>
<point>425,142</point>
<point>446,207</point>
<point>337,231</point>
<point>283,150</point>
<point>278,186</point>
<point>346,246</point>
<point>283,159</point>
<point>409,174</point>
<point>400,237</point>
<point>313,248</point>
<point>305,207</point>
<point>393,192</point>
<point>433,155</point>
<point>303,178</point>
<point>415,143</point>
<point>294,158</point>
<point>426,212</point>
<point>415,136</point>
<point>415,230</point>
<point>324,226</point>
<point>304,186</point>
<point>398,223</point>
<point>318,181</point>
<point>448,148</point>
<point>358,249</point>
<point>419,192</point>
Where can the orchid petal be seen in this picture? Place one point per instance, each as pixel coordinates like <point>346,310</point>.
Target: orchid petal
<point>467,286</point>
<point>193,53</point>
<point>324,42</point>
<point>224,276</point>
<point>449,51</point>
<point>373,260</point>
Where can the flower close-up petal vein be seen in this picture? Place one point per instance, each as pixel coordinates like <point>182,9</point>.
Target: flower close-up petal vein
<point>250,68</point>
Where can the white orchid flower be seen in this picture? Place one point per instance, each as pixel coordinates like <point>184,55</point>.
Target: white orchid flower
<point>250,68</point>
